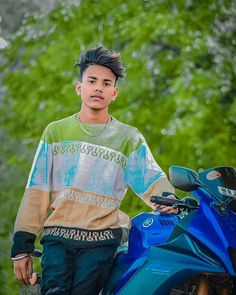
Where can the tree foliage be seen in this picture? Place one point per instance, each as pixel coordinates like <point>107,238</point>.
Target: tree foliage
<point>179,88</point>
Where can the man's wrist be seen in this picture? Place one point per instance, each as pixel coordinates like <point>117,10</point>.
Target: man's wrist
<point>20,257</point>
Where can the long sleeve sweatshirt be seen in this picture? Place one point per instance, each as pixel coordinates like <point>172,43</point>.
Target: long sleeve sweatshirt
<point>78,181</point>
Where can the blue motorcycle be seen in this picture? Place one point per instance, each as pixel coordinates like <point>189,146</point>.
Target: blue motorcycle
<point>191,253</point>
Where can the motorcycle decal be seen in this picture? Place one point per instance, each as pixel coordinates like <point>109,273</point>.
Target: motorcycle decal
<point>148,222</point>
<point>212,175</point>
<point>227,192</point>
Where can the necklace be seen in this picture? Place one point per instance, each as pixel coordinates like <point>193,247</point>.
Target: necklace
<point>89,133</point>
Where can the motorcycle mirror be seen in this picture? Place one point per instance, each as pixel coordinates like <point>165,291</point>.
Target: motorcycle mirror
<point>184,179</point>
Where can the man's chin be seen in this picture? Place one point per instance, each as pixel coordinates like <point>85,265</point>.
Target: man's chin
<point>95,108</point>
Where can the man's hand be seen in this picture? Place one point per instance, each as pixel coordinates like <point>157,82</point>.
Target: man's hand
<point>23,269</point>
<point>166,209</point>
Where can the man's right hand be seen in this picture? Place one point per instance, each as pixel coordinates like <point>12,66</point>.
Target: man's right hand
<point>23,269</point>
<point>165,208</point>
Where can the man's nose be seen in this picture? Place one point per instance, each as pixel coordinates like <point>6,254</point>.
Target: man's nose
<point>99,88</point>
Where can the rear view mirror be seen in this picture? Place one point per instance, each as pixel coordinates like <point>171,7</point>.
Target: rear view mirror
<point>184,179</point>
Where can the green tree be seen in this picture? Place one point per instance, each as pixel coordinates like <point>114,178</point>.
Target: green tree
<point>179,89</point>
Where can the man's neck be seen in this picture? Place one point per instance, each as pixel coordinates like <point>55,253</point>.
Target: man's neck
<point>94,116</point>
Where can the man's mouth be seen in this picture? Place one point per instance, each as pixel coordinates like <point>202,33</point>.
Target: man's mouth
<point>97,97</point>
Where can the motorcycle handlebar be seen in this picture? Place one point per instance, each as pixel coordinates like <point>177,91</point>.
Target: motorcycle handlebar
<point>185,203</point>
<point>163,200</point>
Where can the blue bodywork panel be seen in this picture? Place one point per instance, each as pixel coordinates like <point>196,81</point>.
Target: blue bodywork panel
<point>166,249</point>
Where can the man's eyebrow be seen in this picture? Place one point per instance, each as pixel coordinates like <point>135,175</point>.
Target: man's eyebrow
<point>95,78</point>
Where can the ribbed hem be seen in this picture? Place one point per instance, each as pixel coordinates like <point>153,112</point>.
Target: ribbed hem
<point>81,238</point>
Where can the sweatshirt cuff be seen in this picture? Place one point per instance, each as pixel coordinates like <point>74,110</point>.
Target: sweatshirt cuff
<point>23,242</point>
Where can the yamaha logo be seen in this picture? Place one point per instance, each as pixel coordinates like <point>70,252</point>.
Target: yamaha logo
<point>148,222</point>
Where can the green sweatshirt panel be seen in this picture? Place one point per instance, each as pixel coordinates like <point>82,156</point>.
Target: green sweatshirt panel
<point>126,140</point>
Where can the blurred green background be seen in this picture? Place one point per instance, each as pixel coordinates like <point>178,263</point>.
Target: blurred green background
<point>179,89</point>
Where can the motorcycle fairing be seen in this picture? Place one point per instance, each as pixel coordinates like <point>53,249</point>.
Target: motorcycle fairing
<point>165,265</point>
<point>216,239</point>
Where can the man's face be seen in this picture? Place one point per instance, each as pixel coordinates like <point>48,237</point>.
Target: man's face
<point>97,88</point>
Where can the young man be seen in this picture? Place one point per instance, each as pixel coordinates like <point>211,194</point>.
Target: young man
<point>82,169</point>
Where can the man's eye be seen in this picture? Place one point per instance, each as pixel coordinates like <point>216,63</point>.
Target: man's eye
<point>107,84</point>
<point>91,81</point>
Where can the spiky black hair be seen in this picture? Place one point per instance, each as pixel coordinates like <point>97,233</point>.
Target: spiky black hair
<point>103,57</point>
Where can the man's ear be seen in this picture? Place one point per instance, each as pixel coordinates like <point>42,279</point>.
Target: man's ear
<point>115,93</point>
<point>78,87</point>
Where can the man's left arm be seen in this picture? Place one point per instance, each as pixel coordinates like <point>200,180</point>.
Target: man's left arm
<point>146,178</point>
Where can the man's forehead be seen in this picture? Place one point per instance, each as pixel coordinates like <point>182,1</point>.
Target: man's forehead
<point>99,72</point>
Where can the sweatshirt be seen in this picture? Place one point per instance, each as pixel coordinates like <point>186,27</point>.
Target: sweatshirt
<point>78,180</point>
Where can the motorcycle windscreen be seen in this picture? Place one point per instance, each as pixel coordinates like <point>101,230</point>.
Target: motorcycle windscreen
<point>221,181</point>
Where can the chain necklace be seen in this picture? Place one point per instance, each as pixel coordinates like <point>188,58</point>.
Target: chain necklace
<point>89,133</point>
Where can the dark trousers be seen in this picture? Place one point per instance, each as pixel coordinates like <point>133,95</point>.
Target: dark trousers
<point>75,271</point>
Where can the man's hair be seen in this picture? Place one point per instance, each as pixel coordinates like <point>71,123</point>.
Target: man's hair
<point>103,57</point>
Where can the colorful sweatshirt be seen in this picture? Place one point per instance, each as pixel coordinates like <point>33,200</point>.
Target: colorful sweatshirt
<point>78,181</point>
